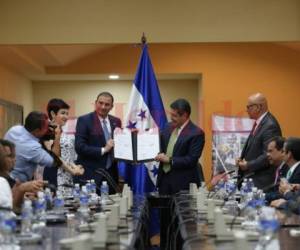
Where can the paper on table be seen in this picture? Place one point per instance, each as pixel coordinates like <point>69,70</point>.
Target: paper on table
<point>123,144</point>
<point>148,144</point>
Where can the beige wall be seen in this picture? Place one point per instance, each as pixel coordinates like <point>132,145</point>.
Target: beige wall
<point>119,21</point>
<point>16,88</point>
<point>230,73</point>
<point>81,95</point>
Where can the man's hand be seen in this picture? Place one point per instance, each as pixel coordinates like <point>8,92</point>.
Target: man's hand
<point>32,186</point>
<point>284,186</point>
<point>162,157</point>
<point>109,145</point>
<point>77,169</point>
<point>277,203</point>
<point>242,164</point>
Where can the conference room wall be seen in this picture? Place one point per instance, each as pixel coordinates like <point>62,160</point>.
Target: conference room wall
<point>230,73</point>
<point>81,95</point>
<point>16,88</point>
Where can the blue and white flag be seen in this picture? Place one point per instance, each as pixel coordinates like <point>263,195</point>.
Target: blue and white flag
<point>145,111</point>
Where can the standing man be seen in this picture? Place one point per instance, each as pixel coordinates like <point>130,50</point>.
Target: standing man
<point>254,154</point>
<point>182,143</point>
<point>93,140</point>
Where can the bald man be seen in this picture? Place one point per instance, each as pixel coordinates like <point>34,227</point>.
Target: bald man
<point>254,155</point>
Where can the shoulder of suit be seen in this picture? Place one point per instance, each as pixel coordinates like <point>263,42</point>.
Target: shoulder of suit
<point>197,129</point>
<point>114,118</point>
<point>86,116</point>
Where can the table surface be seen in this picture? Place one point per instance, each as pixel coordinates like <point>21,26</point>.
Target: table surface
<point>193,225</point>
<point>125,236</point>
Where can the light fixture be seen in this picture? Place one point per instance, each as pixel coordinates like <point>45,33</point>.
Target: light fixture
<point>113,77</point>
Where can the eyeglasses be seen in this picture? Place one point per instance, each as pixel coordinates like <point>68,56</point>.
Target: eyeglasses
<point>251,105</point>
<point>10,155</point>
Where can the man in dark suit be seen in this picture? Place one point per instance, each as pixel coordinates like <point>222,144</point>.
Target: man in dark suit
<point>275,156</point>
<point>182,143</point>
<point>94,143</point>
<point>254,156</point>
<point>288,187</point>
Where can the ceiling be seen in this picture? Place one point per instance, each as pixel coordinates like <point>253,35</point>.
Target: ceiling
<point>32,60</point>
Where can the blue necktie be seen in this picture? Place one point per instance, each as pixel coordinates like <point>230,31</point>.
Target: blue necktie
<point>107,136</point>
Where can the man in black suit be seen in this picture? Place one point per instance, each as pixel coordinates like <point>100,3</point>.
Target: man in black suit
<point>182,143</point>
<point>94,143</point>
<point>291,156</point>
<point>254,157</point>
<point>275,156</point>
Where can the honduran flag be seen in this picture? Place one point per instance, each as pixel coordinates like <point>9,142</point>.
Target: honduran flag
<point>145,111</point>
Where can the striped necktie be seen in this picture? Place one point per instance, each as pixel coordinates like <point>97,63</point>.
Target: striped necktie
<point>107,136</point>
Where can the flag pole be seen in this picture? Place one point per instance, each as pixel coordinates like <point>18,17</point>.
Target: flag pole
<point>143,39</point>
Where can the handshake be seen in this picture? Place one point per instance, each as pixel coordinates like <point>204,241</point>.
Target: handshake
<point>73,169</point>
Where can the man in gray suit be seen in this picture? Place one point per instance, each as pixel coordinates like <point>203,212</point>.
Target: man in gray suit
<point>254,155</point>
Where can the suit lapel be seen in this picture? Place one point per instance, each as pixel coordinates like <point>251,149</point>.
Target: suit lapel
<point>113,125</point>
<point>97,127</point>
<point>252,137</point>
<point>181,137</point>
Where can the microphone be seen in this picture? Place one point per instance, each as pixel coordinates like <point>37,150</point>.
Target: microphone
<point>5,209</point>
<point>244,177</point>
<point>51,186</point>
<point>110,180</point>
<point>68,185</point>
<point>221,178</point>
<point>268,187</point>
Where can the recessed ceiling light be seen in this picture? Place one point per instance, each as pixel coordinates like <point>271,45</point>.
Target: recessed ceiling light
<point>113,77</point>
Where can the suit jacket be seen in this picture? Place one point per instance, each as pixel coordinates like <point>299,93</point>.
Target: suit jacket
<point>295,177</point>
<point>273,193</point>
<point>89,139</point>
<point>186,153</point>
<point>255,149</point>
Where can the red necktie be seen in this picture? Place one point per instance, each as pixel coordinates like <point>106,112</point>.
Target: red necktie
<point>253,128</point>
<point>277,175</point>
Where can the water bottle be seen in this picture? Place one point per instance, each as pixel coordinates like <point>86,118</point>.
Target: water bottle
<point>7,228</point>
<point>243,194</point>
<point>84,210</point>
<point>76,192</point>
<point>89,187</point>
<point>104,192</point>
<point>40,208</point>
<point>59,203</point>
<point>268,226</point>
<point>93,186</point>
<point>250,184</point>
<point>26,216</point>
<point>48,198</point>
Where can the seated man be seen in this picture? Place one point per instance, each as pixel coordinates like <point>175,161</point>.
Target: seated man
<point>5,192</point>
<point>18,188</point>
<point>287,187</point>
<point>275,157</point>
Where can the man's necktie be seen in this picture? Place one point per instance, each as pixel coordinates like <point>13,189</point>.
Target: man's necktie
<point>289,174</point>
<point>107,136</point>
<point>170,148</point>
<point>277,175</point>
<point>253,128</point>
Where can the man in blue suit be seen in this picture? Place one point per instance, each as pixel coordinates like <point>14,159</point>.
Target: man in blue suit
<point>182,143</point>
<point>94,143</point>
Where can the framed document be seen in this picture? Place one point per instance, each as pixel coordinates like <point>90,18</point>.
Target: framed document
<point>136,146</point>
